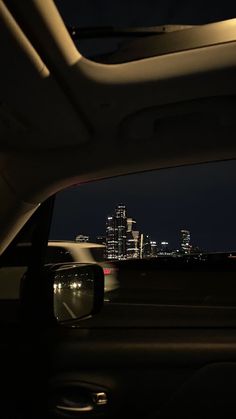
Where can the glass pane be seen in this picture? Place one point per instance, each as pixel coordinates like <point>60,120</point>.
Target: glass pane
<point>169,237</point>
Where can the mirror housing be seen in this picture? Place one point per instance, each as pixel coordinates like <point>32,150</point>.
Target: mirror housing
<point>78,290</point>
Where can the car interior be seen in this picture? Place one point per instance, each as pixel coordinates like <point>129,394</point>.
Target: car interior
<point>67,119</point>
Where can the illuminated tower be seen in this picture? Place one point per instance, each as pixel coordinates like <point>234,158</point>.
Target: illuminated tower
<point>132,240</point>
<point>185,241</point>
<point>111,239</point>
<point>116,230</point>
<point>121,229</point>
<point>145,246</point>
<point>154,249</point>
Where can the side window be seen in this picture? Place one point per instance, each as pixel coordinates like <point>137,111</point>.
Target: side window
<point>164,238</point>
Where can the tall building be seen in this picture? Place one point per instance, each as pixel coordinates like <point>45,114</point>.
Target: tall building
<point>136,236</point>
<point>164,249</point>
<point>130,224</point>
<point>111,238</point>
<point>185,241</point>
<point>116,233</point>
<point>154,249</point>
<point>132,240</point>
<point>145,246</point>
<point>123,242</point>
<point>121,228</point>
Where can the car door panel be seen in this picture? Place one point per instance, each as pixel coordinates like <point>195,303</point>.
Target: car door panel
<point>146,372</point>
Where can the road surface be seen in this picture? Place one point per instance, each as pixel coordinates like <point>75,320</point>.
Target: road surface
<point>70,304</point>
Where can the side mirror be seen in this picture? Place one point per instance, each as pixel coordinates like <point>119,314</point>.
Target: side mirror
<point>78,290</point>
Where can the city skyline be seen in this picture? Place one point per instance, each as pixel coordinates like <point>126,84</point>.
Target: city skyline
<point>124,241</point>
<point>198,198</point>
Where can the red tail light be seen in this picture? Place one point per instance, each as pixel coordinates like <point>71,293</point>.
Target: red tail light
<point>107,271</point>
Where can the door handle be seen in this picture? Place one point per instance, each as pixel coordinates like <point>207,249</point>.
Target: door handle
<point>85,405</point>
<point>75,409</point>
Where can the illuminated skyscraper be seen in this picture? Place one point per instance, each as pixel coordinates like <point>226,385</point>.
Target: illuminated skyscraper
<point>121,229</point>
<point>116,230</point>
<point>132,240</point>
<point>154,249</point>
<point>164,249</point>
<point>145,246</point>
<point>111,239</point>
<point>185,241</point>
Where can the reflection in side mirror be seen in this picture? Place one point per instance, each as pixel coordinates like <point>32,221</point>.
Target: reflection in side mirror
<point>78,291</point>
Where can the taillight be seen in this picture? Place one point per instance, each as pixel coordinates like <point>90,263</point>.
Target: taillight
<point>107,271</point>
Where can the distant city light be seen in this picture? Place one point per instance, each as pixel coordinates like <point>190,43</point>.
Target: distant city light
<point>185,241</point>
<point>122,242</point>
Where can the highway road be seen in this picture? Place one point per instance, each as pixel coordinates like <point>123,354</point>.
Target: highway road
<point>70,304</point>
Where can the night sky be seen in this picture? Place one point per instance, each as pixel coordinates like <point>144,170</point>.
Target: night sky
<point>199,198</point>
<point>144,12</point>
